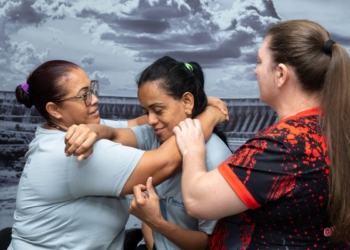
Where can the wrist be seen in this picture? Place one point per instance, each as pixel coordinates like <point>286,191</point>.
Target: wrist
<point>195,152</point>
<point>157,225</point>
<point>217,116</point>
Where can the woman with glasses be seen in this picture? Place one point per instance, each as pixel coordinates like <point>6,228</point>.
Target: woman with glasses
<point>66,203</point>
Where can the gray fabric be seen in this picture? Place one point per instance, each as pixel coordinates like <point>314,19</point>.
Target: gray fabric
<point>66,204</point>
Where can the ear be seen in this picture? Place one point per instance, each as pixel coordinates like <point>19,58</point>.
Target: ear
<point>52,109</point>
<point>188,103</point>
<point>281,74</point>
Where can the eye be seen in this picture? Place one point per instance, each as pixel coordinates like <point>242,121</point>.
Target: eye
<point>85,94</point>
<point>158,112</point>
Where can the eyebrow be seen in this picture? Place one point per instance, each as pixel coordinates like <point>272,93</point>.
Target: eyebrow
<point>154,104</point>
<point>83,88</point>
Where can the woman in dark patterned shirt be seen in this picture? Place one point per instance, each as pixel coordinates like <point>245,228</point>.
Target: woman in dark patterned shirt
<point>288,186</point>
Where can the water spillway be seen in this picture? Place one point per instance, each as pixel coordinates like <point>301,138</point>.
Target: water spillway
<point>247,116</point>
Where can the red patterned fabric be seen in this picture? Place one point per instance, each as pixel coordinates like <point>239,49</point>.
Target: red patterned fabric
<point>282,175</point>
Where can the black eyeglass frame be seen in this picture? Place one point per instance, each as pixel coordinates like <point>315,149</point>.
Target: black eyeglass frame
<point>87,95</point>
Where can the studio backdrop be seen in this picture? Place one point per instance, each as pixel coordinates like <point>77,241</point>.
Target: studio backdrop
<point>114,40</point>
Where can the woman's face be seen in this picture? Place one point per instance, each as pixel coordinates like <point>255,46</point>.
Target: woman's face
<point>163,111</point>
<point>74,111</point>
<point>265,73</point>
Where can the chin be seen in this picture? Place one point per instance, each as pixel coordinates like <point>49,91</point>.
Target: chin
<point>97,120</point>
<point>162,139</point>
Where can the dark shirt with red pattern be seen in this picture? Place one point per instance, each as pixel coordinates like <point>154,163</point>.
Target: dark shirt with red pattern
<point>282,175</point>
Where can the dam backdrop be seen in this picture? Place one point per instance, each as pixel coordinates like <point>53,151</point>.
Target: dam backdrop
<point>18,123</point>
<point>247,116</point>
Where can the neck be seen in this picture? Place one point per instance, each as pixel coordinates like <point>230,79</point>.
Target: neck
<point>290,111</point>
<point>296,104</point>
<point>56,127</point>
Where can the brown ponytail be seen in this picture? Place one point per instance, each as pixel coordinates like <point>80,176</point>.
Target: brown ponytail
<point>323,70</point>
<point>336,126</point>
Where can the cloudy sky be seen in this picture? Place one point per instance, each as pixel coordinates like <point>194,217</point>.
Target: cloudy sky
<point>114,40</point>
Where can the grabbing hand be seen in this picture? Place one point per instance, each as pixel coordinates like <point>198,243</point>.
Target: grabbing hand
<point>146,206</point>
<point>219,104</point>
<point>189,136</point>
<point>79,141</point>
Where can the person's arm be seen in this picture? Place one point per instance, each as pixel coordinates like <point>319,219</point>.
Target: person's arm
<point>147,235</point>
<point>165,161</point>
<point>199,186</point>
<point>80,138</point>
<point>146,208</point>
<point>138,121</point>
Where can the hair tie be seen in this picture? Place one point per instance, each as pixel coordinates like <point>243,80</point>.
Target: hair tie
<point>25,87</point>
<point>327,47</point>
<point>189,66</point>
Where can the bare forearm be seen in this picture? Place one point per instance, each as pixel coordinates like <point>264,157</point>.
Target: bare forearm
<point>193,173</point>
<point>102,131</point>
<point>124,136</point>
<point>210,118</point>
<point>181,237</point>
<point>138,121</point>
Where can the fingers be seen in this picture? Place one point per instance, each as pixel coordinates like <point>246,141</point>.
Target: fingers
<point>85,155</point>
<point>216,102</point>
<point>70,132</point>
<point>139,194</point>
<point>150,189</point>
<point>197,124</point>
<point>79,141</point>
<point>188,123</point>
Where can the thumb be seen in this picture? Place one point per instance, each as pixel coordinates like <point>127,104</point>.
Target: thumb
<point>150,188</point>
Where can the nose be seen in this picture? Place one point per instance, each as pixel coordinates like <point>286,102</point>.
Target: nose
<point>152,119</point>
<point>94,99</point>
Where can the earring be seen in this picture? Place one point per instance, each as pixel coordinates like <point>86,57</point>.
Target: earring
<point>189,112</point>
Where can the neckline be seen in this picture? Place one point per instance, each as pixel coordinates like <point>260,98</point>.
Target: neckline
<point>56,127</point>
<point>306,112</point>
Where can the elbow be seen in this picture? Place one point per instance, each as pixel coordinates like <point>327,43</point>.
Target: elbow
<point>195,209</point>
<point>191,211</point>
<point>199,208</point>
<point>174,168</point>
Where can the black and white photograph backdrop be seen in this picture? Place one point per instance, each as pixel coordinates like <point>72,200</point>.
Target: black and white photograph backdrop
<point>114,40</point>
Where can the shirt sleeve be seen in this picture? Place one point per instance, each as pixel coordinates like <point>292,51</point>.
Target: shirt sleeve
<point>145,137</point>
<point>105,172</point>
<point>115,124</point>
<point>258,172</point>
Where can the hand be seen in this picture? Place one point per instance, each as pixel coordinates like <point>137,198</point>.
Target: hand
<point>219,104</point>
<point>189,136</point>
<point>146,206</point>
<point>79,141</point>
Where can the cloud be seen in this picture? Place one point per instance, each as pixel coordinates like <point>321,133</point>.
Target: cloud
<point>102,79</point>
<point>88,60</point>
<point>112,37</point>
<point>23,58</point>
<point>151,28</point>
<point>235,81</point>
<point>190,30</point>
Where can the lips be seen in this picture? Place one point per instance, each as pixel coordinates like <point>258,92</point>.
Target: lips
<point>158,131</point>
<point>95,113</point>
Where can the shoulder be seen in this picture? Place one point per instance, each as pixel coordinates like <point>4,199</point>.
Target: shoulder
<point>145,137</point>
<point>115,123</point>
<point>217,152</point>
<point>293,131</point>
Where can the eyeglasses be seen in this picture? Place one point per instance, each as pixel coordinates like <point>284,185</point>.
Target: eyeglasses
<point>87,96</point>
